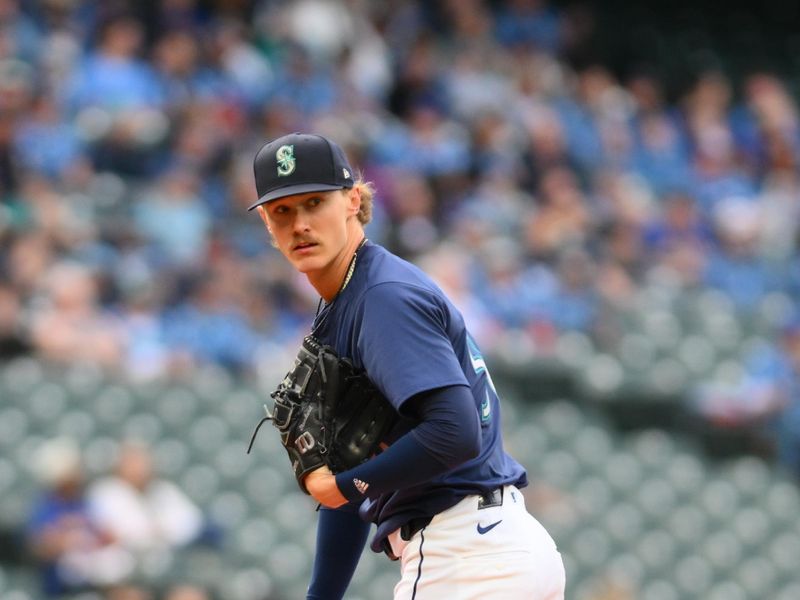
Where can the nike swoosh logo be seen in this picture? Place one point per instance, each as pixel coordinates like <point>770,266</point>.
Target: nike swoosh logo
<point>488,528</point>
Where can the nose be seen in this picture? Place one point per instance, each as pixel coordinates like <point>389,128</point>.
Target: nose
<point>300,223</point>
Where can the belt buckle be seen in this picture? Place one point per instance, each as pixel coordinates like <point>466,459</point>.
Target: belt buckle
<point>490,499</point>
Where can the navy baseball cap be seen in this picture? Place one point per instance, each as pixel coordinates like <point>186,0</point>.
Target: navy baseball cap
<point>299,163</point>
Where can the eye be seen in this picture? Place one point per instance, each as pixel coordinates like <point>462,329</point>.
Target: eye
<point>314,201</point>
<point>281,209</point>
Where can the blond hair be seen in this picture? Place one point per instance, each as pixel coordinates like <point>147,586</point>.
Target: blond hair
<point>367,191</point>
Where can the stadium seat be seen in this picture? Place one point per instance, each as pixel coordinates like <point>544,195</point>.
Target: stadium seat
<point>574,348</point>
<point>626,567</point>
<point>176,407</point>
<point>637,352</point>
<point>228,509</point>
<point>249,582</point>
<point>784,552</point>
<point>655,448</point>
<point>255,535</point>
<point>658,550</point>
<point>592,446</point>
<point>723,550</point>
<point>529,441</point>
<point>288,562</point>
<point>693,575</point>
<point>14,424</point>
<point>720,499</point>
<point>212,384</point>
<point>655,498</point>
<point>99,454</point>
<point>685,473</point>
<point>560,468</point>
<point>200,482</point>
<point>752,526</point>
<point>171,456</point>
<point>727,590</point>
<point>624,523</point>
<point>698,354</point>
<point>561,419</point>
<point>758,577</point>
<point>207,434</point>
<point>83,380</point>
<point>243,408</point>
<point>689,524</point>
<point>783,503</point>
<point>111,406</point>
<point>790,591</point>
<point>661,327</point>
<point>624,472</point>
<point>750,475</point>
<point>601,377</point>
<point>660,589</point>
<point>378,587</point>
<point>77,424</point>
<point>593,495</point>
<point>264,486</point>
<point>46,403</point>
<point>20,376</point>
<point>293,511</point>
<point>143,426</point>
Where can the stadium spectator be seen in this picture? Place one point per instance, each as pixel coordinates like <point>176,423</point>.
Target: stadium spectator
<point>145,513</point>
<point>69,324</point>
<point>175,221</point>
<point>116,100</point>
<point>735,266</point>
<point>75,552</point>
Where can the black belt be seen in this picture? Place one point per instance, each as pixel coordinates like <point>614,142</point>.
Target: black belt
<point>407,531</point>
<point>490,499</point>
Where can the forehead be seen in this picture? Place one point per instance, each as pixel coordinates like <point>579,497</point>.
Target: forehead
<point>297,199</point>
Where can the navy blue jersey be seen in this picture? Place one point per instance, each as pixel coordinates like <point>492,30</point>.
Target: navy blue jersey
<point>394,322</point>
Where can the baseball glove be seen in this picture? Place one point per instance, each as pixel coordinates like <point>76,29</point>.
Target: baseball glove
<point>327,413</point>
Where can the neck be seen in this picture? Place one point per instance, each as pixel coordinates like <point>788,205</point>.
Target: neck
<point>329,282</point>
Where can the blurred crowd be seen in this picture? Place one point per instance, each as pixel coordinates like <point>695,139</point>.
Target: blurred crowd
<point>540,187</point>
<point>111,536</point>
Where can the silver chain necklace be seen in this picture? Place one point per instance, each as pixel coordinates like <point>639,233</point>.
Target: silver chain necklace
<point>350,269</point>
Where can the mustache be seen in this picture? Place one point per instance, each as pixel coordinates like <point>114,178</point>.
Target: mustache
<point>302,241</point>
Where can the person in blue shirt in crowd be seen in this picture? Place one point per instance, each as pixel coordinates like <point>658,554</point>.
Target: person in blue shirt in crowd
<point>457,519</point>
<point>73,551</point>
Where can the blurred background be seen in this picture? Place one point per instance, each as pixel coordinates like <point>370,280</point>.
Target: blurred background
<point>610,193</point>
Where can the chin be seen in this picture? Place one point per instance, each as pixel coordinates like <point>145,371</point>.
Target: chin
<point>307,264</point>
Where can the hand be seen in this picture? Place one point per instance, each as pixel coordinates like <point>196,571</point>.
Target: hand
<point>321,484</point>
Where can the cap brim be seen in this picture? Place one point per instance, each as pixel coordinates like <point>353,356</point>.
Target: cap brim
<point>291,190</point>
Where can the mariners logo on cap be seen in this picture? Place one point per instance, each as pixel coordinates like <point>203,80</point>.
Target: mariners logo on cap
<point>286,160</point>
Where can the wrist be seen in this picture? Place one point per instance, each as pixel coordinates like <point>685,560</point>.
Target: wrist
<point>347,486</point>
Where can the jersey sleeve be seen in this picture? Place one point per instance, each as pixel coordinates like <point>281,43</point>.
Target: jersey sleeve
<point>403,341</point>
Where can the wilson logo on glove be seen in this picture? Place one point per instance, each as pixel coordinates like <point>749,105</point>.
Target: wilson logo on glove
<point>305,442</point>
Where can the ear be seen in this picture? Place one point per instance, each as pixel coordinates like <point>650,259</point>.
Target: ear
<point>354,200</point>
<point>263,214</point>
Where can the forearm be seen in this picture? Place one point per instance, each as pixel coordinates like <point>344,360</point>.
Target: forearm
<point>448,435</point>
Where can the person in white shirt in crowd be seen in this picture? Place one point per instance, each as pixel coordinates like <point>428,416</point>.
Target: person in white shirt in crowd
<point>143,511</point>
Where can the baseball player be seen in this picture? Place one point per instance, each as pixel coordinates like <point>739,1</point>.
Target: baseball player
<point>443,493</point>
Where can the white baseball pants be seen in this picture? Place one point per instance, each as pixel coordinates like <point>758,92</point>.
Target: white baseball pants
<point>495,553</point>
